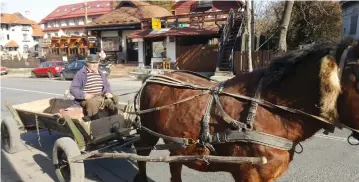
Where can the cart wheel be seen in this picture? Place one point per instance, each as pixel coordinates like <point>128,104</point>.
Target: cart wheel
<point>65,148</point>
<point>33,75</point>
<point>10,135</point>
<point>50,75</point>
<point>62,76</point>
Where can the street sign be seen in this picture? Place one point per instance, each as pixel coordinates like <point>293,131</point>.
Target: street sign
<point>156,24</point>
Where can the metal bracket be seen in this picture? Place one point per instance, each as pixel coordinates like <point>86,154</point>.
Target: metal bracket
<point>79,138</point>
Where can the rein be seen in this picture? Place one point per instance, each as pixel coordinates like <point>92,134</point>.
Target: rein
<point>244,131</point>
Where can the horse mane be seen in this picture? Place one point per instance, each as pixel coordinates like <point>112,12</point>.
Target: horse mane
<point>282,65</point>
<point>326,54</point>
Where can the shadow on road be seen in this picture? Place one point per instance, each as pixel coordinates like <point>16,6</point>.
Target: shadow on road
<point>96,170</point>
<point>8,173</point>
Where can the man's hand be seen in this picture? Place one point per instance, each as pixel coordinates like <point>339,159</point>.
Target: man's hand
<point>109,95</point>
<point>88,96</point>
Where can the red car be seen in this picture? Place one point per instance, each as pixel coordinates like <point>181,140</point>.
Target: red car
<point>48,68</point>
<point>4,70</point>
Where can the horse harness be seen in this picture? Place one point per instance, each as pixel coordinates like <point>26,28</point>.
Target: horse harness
<point>243,130</point>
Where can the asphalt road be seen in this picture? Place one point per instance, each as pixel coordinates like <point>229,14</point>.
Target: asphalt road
<point>325,158</point>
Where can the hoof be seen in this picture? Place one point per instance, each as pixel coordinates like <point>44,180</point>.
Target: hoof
<point>140,178</point>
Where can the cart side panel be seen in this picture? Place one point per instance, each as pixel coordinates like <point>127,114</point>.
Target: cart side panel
<point>45,122</point>
<point>108,126</point>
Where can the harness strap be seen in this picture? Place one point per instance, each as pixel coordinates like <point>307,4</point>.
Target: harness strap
<point>252,137</point>
<point>254,105</point>
<point>329,125</point>
<point>184,141</point>
<point>166,106</point>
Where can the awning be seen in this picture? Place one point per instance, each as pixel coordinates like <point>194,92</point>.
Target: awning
<point>174,32</point>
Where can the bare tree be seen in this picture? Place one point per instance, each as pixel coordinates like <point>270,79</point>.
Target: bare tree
<point>284,25</point>
<point>249,32</point>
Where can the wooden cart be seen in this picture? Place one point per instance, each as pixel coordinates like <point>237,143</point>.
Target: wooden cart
<point>89,140</point>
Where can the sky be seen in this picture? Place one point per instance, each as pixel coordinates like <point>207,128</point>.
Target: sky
<point>38,9</point>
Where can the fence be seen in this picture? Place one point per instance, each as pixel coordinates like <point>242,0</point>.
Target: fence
<point>260,59</point>
<point>21,63</point>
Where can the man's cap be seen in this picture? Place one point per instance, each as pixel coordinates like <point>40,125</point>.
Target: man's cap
<point>92,58</point>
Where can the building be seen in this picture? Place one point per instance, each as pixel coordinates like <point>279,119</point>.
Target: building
<point>197,6</point>
<point>70,19</point>
<point>110,31</point>
<point>350,11</point>
<point>19,34</point>
<point>186,41</point>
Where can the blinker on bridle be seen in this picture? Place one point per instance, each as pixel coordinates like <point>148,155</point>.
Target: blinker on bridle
<point>343,62</point>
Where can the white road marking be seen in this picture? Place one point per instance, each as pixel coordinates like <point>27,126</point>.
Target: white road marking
<point>33,91</point>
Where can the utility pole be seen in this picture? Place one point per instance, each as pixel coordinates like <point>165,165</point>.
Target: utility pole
<point>249,41</point>
<point>85,12</point>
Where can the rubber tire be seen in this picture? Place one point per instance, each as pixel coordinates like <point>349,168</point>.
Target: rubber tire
<point>14,135</point>
<point>62,77</point>
<point>33,75</point>
<point>77,170</point>
<point>50,75</point>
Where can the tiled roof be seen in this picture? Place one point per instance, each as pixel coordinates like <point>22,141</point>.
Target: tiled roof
<point>15,18</point>
<point>18,18</point>
<point>37,30</point>
<point>77,10</point>
<point>188,31</point>
<point>11,43</point>
<point>130,15</point>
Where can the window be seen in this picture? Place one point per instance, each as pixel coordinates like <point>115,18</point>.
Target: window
<point>159,49</point>
<point>26,48</point>
<point>2,37</point>
<point>56,34</point>
<point>353,22</point>
<point>60,63</point>
<point>45,25</point>
<point>8,37</point>
<point>43,65</point>
<point>76,21</point>
<point>93,19</point>
<point>110,43</point>
<point>67,23</point>
<point>49,35</point>
<point>25,37</point>
<point>77,33</point>
<point>50,64</point>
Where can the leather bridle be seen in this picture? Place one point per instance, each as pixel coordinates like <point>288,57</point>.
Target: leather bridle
<point>342,64</point>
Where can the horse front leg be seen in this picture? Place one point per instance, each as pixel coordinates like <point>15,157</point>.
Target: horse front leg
<point>176,171</point>
<point>149,141</point>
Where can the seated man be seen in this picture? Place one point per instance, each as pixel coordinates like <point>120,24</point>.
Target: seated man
<point>90,88</point>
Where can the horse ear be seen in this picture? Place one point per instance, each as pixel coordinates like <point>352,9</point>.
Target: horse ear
<point>329,88</point>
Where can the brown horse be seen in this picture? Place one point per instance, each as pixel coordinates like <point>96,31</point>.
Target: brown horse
<point>306,80</point>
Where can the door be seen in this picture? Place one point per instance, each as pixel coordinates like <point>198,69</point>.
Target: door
<point>68,71</point>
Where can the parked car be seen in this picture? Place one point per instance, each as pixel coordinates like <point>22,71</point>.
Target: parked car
<point>69,71</point>
<point>48,68</point>
<point>4,70</point>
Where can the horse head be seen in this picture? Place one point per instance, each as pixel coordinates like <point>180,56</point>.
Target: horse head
<point>348,100</point>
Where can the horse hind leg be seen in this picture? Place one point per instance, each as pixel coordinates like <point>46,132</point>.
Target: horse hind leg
<point>146,140</point>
